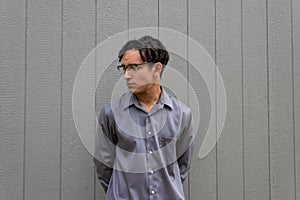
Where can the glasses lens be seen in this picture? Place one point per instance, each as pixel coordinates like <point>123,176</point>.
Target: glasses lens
<point>130,67</point>
<point>121,68</point>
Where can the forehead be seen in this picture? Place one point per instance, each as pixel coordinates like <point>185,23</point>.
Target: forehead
<point>131,56</point>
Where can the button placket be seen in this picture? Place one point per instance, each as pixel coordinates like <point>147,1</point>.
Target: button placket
<point>149,151</point>
<point>148,127</point>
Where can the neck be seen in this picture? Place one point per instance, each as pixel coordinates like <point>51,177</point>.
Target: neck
<point>150,96</point>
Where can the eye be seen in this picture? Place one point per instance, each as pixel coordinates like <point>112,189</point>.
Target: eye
<point>121,68</point>
<point>132,67</point>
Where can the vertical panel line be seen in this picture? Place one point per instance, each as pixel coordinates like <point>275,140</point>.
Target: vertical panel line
<point>25,97</point>
<point>187,51</point>
<point>293,100</point>
<point>95,63</point>
<point>216,96</point>
<point>268,97</point>
<point>61,98</point>
<point>158,18</point>
<point>128,5</point>
<point>188,75</point>
<point>243,104</point>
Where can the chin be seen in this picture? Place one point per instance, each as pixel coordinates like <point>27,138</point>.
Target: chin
<point>132,90</point>
<point>137,89</point>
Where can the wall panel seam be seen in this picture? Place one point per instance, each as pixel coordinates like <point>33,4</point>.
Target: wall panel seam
<point>242,99</point>
<point>61,99</point>
<point>293,99</point>
<point>158,19</point>
<point>25,96</point>
<point>216,95</point>
<point>95,127</point>
<point>188,78</point>
<point>268,96</point>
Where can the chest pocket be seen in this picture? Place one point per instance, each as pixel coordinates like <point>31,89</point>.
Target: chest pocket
<point>130,142</point>
<point>164,141</point>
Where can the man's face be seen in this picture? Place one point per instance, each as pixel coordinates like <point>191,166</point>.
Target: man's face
<point>137,81</point>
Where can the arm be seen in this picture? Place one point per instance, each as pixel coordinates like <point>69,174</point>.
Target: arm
<point>105,141</point>
<point>185,145</point>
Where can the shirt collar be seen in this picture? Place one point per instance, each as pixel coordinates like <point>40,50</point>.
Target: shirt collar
<point>129,99</point>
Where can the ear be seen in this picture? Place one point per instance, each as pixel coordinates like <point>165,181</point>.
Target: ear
<point>157,67</point>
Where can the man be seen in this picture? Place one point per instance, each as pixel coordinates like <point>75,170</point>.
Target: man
<point>144,139</point>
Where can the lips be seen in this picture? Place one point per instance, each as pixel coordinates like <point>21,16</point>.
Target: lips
<point>130,84</point>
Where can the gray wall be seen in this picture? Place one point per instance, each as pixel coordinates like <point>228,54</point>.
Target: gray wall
<point>255,43</point>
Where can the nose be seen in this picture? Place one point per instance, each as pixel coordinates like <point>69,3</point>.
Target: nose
<point>127,75</point>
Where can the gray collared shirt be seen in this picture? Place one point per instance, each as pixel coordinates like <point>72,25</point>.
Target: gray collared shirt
<point>144,155</point>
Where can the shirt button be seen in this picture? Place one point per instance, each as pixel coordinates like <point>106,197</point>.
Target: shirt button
<point>152,192</point>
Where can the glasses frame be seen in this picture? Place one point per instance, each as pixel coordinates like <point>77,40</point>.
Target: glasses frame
<point>131,67</point>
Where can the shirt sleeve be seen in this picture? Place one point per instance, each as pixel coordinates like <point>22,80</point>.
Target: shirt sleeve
<point>185,145</point>
<point>105,144</point>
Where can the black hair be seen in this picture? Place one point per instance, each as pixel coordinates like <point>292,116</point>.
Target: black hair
<point>150,49</point>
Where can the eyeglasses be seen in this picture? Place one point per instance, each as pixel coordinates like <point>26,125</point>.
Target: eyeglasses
<point>130,67</point>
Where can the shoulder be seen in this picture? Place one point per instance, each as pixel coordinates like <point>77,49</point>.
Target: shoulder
<point>179,106</point>
<point>116,104</point>
<point>106,110</point>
